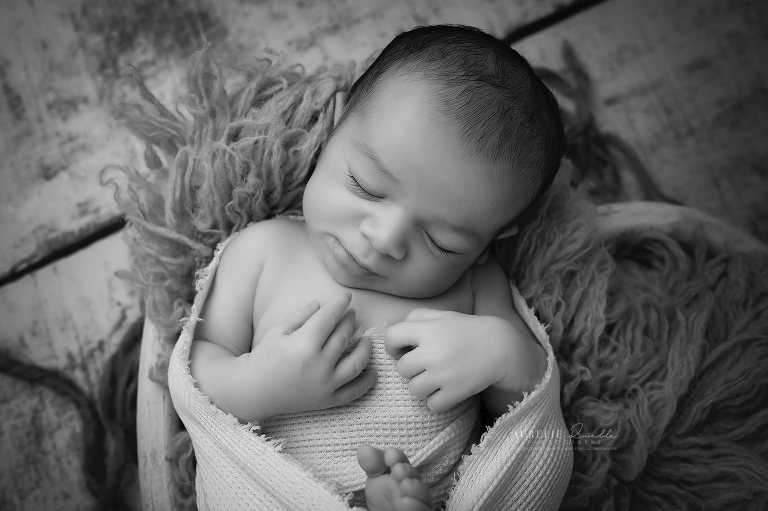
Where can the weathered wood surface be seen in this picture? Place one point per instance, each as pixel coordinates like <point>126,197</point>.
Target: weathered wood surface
<point>60,68</point>
<point>69,316</point>
<point>55,135</point>
<point>156,423</point>
<point>686,84</point>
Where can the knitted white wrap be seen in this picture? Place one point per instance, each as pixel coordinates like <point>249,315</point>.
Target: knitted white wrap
<point>326,441</point>
<point>522,462</point>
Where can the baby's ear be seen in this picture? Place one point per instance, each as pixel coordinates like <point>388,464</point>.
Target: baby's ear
<point>506,233</point>
<point>509,231</point>
<point>483,257</point>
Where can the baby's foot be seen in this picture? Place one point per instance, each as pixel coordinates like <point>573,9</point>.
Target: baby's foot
<point>393,484</point>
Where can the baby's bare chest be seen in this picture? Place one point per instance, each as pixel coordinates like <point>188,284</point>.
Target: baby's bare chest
<point>289,283</point>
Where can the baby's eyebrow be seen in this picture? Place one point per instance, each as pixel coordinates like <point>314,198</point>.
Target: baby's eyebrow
<point>368,152</point>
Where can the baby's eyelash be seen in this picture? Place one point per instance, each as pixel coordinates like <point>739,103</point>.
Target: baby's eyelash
<point>358,188</point>
<point>440,250</point>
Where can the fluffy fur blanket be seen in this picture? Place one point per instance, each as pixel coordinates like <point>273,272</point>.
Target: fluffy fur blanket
<point>662,345</point>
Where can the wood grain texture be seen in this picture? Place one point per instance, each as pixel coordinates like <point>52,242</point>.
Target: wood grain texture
<point>55,135</point>
<point>63,65</point>
<point>69,316</point>
<point>317,33</point>
<point>686,84</point>
<point>157,422</point>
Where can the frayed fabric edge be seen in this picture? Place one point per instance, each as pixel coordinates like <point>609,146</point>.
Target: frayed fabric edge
<point>203,280</point>
<point>539,331</point>
<point>204,277</point>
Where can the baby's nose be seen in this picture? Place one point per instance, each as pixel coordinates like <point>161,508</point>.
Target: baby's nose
<point>393,250</point>
<point>387,233</point>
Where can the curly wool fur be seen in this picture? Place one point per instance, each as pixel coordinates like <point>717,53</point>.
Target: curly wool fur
<point>236,158</point>
<point>664,344</point>
<point>661,342</point>
<point>242,157</point>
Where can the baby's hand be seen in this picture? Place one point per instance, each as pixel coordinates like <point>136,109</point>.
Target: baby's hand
<point>453,356</point>
<point>393,484</point>
<point>300,361</point>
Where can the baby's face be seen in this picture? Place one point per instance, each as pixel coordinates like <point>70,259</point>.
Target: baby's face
<point>395,205</point>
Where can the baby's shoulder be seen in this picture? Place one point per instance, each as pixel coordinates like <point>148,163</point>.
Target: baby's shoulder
<point>268,236</point>
<point>274,228</point>
<point>261,241</point>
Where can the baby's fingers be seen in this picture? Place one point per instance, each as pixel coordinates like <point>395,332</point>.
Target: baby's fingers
<point>442,400</point>
<point>320,325</point>
<point>296,319</point>
<point>339,339</point>
<point>353,364</point>
<point>354,389</point>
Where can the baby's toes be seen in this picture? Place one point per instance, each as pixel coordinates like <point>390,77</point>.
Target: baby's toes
<point>393,456</point>
<point>416,489</point>
<point>371,460</point>
<point>409,480</point>
<point>404,471</point>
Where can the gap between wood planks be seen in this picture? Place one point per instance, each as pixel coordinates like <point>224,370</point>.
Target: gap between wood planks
<point>116,224</point>
<point>89,237</point>
<point>550,20</point>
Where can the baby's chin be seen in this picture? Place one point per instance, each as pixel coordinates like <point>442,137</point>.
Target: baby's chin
<point>385,285</point>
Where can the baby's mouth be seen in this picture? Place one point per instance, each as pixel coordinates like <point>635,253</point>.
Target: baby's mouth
<point>347,261</point>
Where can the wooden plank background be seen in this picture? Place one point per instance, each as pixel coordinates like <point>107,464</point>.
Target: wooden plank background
<point>684,82</point>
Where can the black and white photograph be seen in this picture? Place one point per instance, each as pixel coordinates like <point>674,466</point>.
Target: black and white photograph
<point>384,255</point>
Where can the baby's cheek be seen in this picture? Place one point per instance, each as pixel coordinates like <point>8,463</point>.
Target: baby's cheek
<point>317,198</point>
<point>450,272</point>
<point>428,280</point>
<point>309,199</point>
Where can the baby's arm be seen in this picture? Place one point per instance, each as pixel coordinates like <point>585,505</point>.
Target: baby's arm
<point>295,366</point>
<point>224,334</point>
<point>527,359</point>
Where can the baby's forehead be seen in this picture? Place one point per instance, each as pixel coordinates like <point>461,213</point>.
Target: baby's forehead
<point>448,114</point>
<point>407,130</point>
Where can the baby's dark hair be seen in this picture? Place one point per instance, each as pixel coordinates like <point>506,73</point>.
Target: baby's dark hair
<point>504,113</point>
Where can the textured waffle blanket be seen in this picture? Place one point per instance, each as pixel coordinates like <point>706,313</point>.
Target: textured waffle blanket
<point>326,441</point>
<point>523,461</point>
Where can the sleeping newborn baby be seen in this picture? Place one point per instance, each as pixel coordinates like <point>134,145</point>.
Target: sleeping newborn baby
<point>444,141</point>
